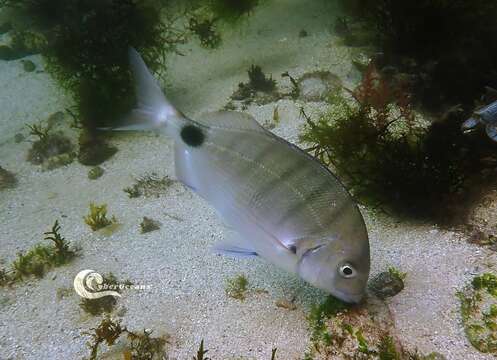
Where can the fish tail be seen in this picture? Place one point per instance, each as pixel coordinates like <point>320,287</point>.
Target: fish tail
<point>153,111</point>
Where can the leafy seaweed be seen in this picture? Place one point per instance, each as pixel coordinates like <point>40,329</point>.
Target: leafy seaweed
<point>389,160</point>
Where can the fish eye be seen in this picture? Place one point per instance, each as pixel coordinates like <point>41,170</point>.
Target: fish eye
<point>347,271</point>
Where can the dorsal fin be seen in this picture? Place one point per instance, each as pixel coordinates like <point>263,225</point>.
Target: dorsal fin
<point>230,120</point>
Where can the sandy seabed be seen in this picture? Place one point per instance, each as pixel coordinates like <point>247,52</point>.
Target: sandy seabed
<point>187,296</point>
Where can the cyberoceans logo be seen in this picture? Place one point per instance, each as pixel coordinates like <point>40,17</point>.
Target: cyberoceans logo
<point>89,285</point>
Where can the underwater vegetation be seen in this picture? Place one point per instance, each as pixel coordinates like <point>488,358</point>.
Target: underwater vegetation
<point>97,218</point>
<point>449,47</point>
<point>201,352</point>
<point>340,330</point>
<point>148,225</point>
<point>205,30</point>
<point>259,88</point>
<point>387,159</point>
<point>40,258</point>
<point>139,345</point>
<point>236,287</point>
<point>87,48</point>
<point>7,179</point>
<point>149,185</point>
<point>85,45</point>
<point>479,312</point>
<point>51,149</point>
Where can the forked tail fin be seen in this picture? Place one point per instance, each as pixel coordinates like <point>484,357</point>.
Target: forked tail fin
<point>153,110</point>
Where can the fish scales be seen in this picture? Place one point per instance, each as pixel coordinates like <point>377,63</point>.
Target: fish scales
<point>275,182</point>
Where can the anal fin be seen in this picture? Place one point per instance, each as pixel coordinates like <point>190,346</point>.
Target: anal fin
<point>234,246</point>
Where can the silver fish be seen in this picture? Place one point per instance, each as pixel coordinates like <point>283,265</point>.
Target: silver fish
<point>486,116</point>
<point>284,205</point>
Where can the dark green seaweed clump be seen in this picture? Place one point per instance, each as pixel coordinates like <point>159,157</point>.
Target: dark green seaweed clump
<point>260,88</point>
<point>449,47</point>
<point>139,345</point>
<point>387,160</point>
<point>258,80</point>
<point>205,30</point>
<point>318,316</point>
<point>41,258</point>
<point>479,312</point>
<point>86,49</point>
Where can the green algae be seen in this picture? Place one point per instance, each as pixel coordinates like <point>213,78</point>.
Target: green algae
<point>40,258</point>
<point>236,287</point>
<point>479,312</point>
<point>51,149</point>
<point>95,172</point>
<point>139,345</point>
<point>97,217</point>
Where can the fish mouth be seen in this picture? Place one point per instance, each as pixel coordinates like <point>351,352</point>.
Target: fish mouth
<point>353,298</point>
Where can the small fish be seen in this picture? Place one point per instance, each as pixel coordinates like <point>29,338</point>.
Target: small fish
<point>283,204</point>
<point>486,116</point>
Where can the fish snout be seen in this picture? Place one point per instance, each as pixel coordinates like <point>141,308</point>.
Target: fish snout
<point>469,125</point>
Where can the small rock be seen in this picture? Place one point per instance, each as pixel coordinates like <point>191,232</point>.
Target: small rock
<point>317,85</point>
<point>285,304</point>
<point>303,33</point>
<point>148,225</point>
<point>28,65</point>
<point>386,284</point>
<point>361,61</point>
<point>95,172</point>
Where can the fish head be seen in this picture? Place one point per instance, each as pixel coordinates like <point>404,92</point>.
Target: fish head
<point>337,266</point>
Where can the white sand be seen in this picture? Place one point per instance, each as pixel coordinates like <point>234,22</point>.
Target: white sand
<point>187,299</point>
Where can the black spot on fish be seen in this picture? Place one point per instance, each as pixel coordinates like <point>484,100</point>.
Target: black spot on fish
<point>192,135</point>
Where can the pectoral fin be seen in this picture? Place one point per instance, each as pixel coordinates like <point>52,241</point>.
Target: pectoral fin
<point>491,132</point>
<point>234,246</point>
